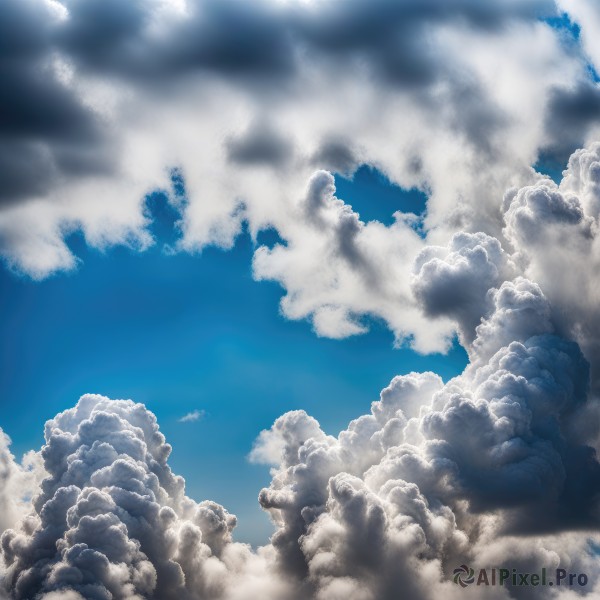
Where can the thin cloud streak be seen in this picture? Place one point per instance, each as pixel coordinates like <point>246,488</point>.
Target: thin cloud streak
<point>193,416</point>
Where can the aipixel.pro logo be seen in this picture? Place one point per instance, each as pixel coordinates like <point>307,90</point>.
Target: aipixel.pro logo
<point>465,576</point>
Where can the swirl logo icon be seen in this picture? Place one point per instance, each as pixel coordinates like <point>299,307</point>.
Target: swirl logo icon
<point>464,576</point>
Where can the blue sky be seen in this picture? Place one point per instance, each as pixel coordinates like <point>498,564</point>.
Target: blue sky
<point>180,333</point>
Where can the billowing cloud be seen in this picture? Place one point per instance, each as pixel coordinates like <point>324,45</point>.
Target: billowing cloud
<point>439,475</point>
<point>454,281</point>
<point>111,520</point>
<point>552,232</point>
<point>492,469</point>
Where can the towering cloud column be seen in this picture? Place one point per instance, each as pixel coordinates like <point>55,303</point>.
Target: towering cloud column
<point>112,521</point>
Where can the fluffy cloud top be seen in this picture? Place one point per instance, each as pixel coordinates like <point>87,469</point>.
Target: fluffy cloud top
<point>112,521</point>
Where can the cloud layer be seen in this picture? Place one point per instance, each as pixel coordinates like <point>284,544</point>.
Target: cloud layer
<point>102,101</point>
<point>497,467</point>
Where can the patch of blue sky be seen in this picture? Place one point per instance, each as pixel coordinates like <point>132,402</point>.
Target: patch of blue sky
<point>548,164</point>
<point>571,36</point>
<point>375,198</point>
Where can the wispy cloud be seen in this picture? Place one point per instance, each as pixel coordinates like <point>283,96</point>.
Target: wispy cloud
<point>192,416</point>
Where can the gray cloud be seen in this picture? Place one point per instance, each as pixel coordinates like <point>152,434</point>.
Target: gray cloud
<point>58,134</point>
<point>225,37</point>
<point>261,144</point>
<point>455,281</point>
<point>336,156</point>
<point>46,131</point>
<point>111,520</point>
<point>570,114</point>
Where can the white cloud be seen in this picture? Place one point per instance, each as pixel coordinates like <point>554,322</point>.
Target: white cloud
<point>194,415</point>
<point>18,481</point>
<point>112,520</point>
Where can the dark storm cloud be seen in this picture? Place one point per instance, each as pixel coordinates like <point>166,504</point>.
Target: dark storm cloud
<point>355,25</point>
<point>229,37</point>
<point>260,144</point>
<point>570,113</point>
<point>335,155</point>
<point>234,37</point>
<point>45,129</point>
<point>103,32</point>
<point>44,123</point>
<point>24,29</point>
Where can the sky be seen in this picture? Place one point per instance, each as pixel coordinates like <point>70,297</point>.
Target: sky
<point>299,298</point>
<point>181,333</point>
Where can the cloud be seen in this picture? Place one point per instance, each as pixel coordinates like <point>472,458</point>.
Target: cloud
<point>194,415</point>
<point>19,482</point>
<point>40,141</point>
<point>553,233</point>
<point>260,144</point>
<point>249,105</point>
<point>496,467</point>
<point>336,268</point>
<point>454,281</point>
<point>111,520</point>
<point>436,472</point>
